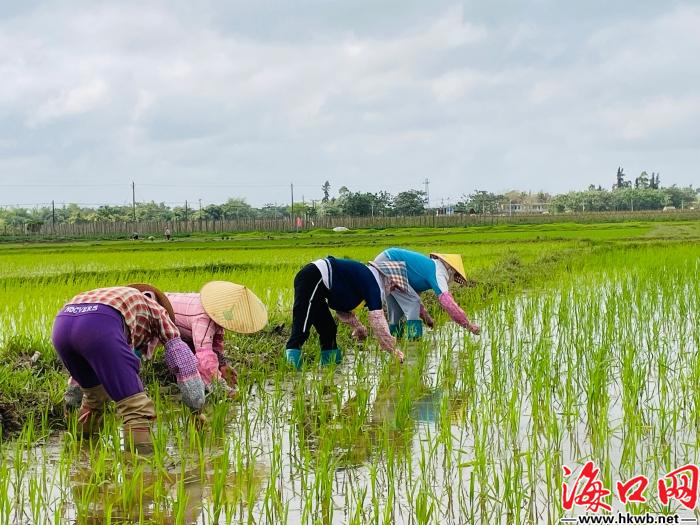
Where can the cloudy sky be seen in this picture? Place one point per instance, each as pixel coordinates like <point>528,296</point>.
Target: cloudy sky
<point>211,99</point>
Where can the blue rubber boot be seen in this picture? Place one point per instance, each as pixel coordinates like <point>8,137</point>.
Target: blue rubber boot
<point>293,357</point>
<point>331,356</point>
<point>414,329</point>
<point>396,329</point>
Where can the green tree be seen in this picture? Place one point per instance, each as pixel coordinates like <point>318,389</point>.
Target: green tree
<point>411,202</point>
<point>150,211</point>
<point>365,204</point>
<point>211,212</point>
<point>679,197</point>
<point>655,181</point>
<point>482,201</point>
<point>642,182</point>
<point>620,180</point>
<point>383,203</point>
<point>237,208</point>
<point>357,204</point>
<point>273,211</point>
<point>326,189</point>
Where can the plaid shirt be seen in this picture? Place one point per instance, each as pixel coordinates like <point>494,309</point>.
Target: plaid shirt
<point>200,332</point>
<point>145,319</point>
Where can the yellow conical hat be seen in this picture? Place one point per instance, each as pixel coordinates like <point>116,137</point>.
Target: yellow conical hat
<point>233,306</point>
<point>454,261</point>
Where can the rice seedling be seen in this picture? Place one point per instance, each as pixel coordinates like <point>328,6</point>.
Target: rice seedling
<point>588,351</point>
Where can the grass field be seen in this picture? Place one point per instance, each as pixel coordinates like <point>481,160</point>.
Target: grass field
<point>589,351</point>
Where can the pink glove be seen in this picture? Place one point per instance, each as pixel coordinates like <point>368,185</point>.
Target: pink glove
<point>381,329</point>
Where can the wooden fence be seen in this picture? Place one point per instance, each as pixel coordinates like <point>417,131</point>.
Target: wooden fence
<point>179,228</point>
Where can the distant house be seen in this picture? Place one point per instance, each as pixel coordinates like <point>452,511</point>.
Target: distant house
<point>510,208</point>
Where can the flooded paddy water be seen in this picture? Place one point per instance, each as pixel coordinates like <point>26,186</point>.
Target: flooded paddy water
<point>601,367</point>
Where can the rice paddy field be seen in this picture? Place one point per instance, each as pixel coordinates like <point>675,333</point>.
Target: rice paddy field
<point>588,353</point>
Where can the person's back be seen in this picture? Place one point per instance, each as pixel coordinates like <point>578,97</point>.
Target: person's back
<point>352,283</point>
<point>421,269</point>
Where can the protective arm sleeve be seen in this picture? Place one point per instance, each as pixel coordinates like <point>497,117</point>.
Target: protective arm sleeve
<point>182,362</point>
<point>203,337</point>
<point>381,330</point>
<point>453,309</point>
<point>359,332</point>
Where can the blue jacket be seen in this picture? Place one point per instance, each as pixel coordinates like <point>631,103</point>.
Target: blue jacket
<point>422,271</point>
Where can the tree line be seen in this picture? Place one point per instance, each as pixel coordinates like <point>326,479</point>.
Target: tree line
<point>347,203</point>
<point>644,193</point>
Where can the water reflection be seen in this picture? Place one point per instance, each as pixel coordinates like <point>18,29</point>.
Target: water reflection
<point>360,426</point>
<point>174,494</point>
<point>428,407</point>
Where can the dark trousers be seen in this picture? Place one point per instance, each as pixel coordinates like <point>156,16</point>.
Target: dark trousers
<point>311,309</point>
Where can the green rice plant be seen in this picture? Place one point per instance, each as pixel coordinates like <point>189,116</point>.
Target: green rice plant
<point>596,359</point>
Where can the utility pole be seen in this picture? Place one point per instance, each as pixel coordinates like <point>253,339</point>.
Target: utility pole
<point>291,210</point>
<point>53,217</point>
<point>185,211</point>
<point>427,193</point>
<point>133,199</point>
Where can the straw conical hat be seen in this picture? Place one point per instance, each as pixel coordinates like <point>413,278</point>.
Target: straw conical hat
<point>233,306</point>
<point>454,261</point>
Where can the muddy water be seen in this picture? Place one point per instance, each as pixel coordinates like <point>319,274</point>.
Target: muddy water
<point>479,435</point>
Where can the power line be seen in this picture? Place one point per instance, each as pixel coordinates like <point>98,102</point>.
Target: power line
<point>66,185</point>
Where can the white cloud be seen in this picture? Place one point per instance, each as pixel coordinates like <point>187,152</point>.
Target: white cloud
<point>75,101</point>
<point>166,92</point>
<point>454,85</point>
<point>642,121</point>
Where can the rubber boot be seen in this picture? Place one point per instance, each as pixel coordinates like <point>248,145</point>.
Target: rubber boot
<point>138,439</point>
<point>92,409</point>
<point>396,330</point>
<point>414,329</point>
<point>293,356</point>
<point>334,356</point>
<point>137,413</point>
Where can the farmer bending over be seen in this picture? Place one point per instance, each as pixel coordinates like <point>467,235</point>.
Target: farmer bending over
<point>424,273</point>
<point>343,285</point>
<point>94,335</point>
<point>201,318</point>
